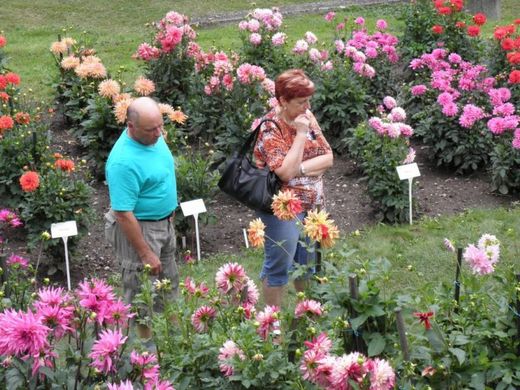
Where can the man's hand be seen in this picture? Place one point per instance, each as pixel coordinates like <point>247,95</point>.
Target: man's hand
<point>153,261</point>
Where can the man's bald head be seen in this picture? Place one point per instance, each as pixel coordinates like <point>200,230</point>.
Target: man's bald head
<point>142,106</point>
<point>144,120</point>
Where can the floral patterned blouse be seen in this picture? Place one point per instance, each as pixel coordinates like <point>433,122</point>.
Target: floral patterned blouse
<point>272,146</point>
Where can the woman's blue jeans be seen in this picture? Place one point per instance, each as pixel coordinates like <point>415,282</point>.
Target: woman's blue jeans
<point>283,248</point>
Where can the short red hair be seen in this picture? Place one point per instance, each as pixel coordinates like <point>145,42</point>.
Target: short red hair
<point>293,83</point>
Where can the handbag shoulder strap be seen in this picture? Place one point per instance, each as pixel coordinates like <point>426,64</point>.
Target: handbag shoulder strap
<point>251,140</point>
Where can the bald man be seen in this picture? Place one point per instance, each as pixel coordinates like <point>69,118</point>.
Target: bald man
<point>143,197</point>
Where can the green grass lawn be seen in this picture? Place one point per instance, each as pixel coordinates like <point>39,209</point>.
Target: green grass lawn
<point>416,252</point>
<point>117,27</point>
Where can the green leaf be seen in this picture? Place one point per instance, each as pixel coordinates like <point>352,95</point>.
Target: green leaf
<point>478,381</point>
<point>376,345</point>
<point>459,354</point>
<point>358,321</point>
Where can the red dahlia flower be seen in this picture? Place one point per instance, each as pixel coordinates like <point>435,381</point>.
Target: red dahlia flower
<point>507,44</point>
<point>424,318</point>
<point>3,82</point>
<point>479,19</point>
<point>12,78</point>
<point>444,10</point>
<point>514,57</point>
<point>437,29</point>
<point>6,122</point>
<point>457,4</point>
<point>3,41</point>
<point>460,24</point>
<point>514,77</point>
<point>473,31</point>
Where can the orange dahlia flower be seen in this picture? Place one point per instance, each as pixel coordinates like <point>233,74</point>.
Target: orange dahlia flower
<point>286,205</point>
<point>319,228</point>
<point>30,181</point>
<point>65,165</point>
<point>255,233</point>
<point>22,118</point>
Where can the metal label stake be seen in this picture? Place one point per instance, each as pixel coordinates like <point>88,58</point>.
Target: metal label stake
<point>408,172</point>
<point>64,230</point>
<point>194,207</point>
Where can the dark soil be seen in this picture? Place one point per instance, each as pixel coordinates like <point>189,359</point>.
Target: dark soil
<point>437,193</point>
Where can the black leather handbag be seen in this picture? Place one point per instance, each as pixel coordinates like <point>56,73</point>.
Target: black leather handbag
<point>243,181</point>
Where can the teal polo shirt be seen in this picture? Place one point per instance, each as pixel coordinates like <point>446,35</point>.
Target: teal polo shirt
<point>141,178</point>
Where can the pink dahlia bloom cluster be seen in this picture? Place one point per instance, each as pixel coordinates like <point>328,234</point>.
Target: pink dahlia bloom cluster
<point>483,256</point>
<point>308,308</point>
<point>504,118</point>
<point>268,321</point>
<point>56,309</point>
<point>222,75</point>
<point>363,47</point>
<point>106,350</point>
<point>248,74</point>
<point>195,290</point>
<point>328,371</point>
<point>10,218</point>
<point>319,57</point>
<point>236,287</point>
<point>171,30</point>
<point>391,123</point>
<point>98,297</point>
<point>264,24</point>
<point>460,85</point>
<point>227,353</point>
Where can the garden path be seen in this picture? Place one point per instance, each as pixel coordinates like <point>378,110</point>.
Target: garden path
<point>437,193</point>
<point>289,10</point>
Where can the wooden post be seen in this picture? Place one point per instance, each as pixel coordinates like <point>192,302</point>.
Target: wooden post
<point>352,283</point>
<point>457,277</point>
<point>489,7</point>
<point>518,316</point>
<point>317,248</point>
<point>402,334</point>
<point>359,343</point>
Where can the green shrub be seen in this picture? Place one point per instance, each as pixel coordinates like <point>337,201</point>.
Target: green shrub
<point>169,59</point>
<point>61,196</point>
<point>380,146</point>
<point>196,179</point>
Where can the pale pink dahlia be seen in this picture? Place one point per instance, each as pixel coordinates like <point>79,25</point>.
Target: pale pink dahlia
<point>308,307</point>
<point>267,320</point>
<point>382,376</point>
<point>227,352</point>
<point>231,276</point>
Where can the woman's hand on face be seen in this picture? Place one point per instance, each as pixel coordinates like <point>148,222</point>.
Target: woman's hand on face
<point>302,123</point>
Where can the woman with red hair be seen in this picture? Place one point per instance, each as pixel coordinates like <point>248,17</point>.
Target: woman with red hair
<point>299,154</point>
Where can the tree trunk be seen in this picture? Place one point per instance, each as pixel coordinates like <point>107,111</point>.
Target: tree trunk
<point>490,7</point>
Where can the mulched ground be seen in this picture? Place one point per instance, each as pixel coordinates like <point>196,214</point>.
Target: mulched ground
<point>437,193</point>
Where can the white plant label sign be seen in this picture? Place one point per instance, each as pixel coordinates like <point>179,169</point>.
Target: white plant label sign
<point>64,230</point>
<point>408,172</point>
<point>194,207</point>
